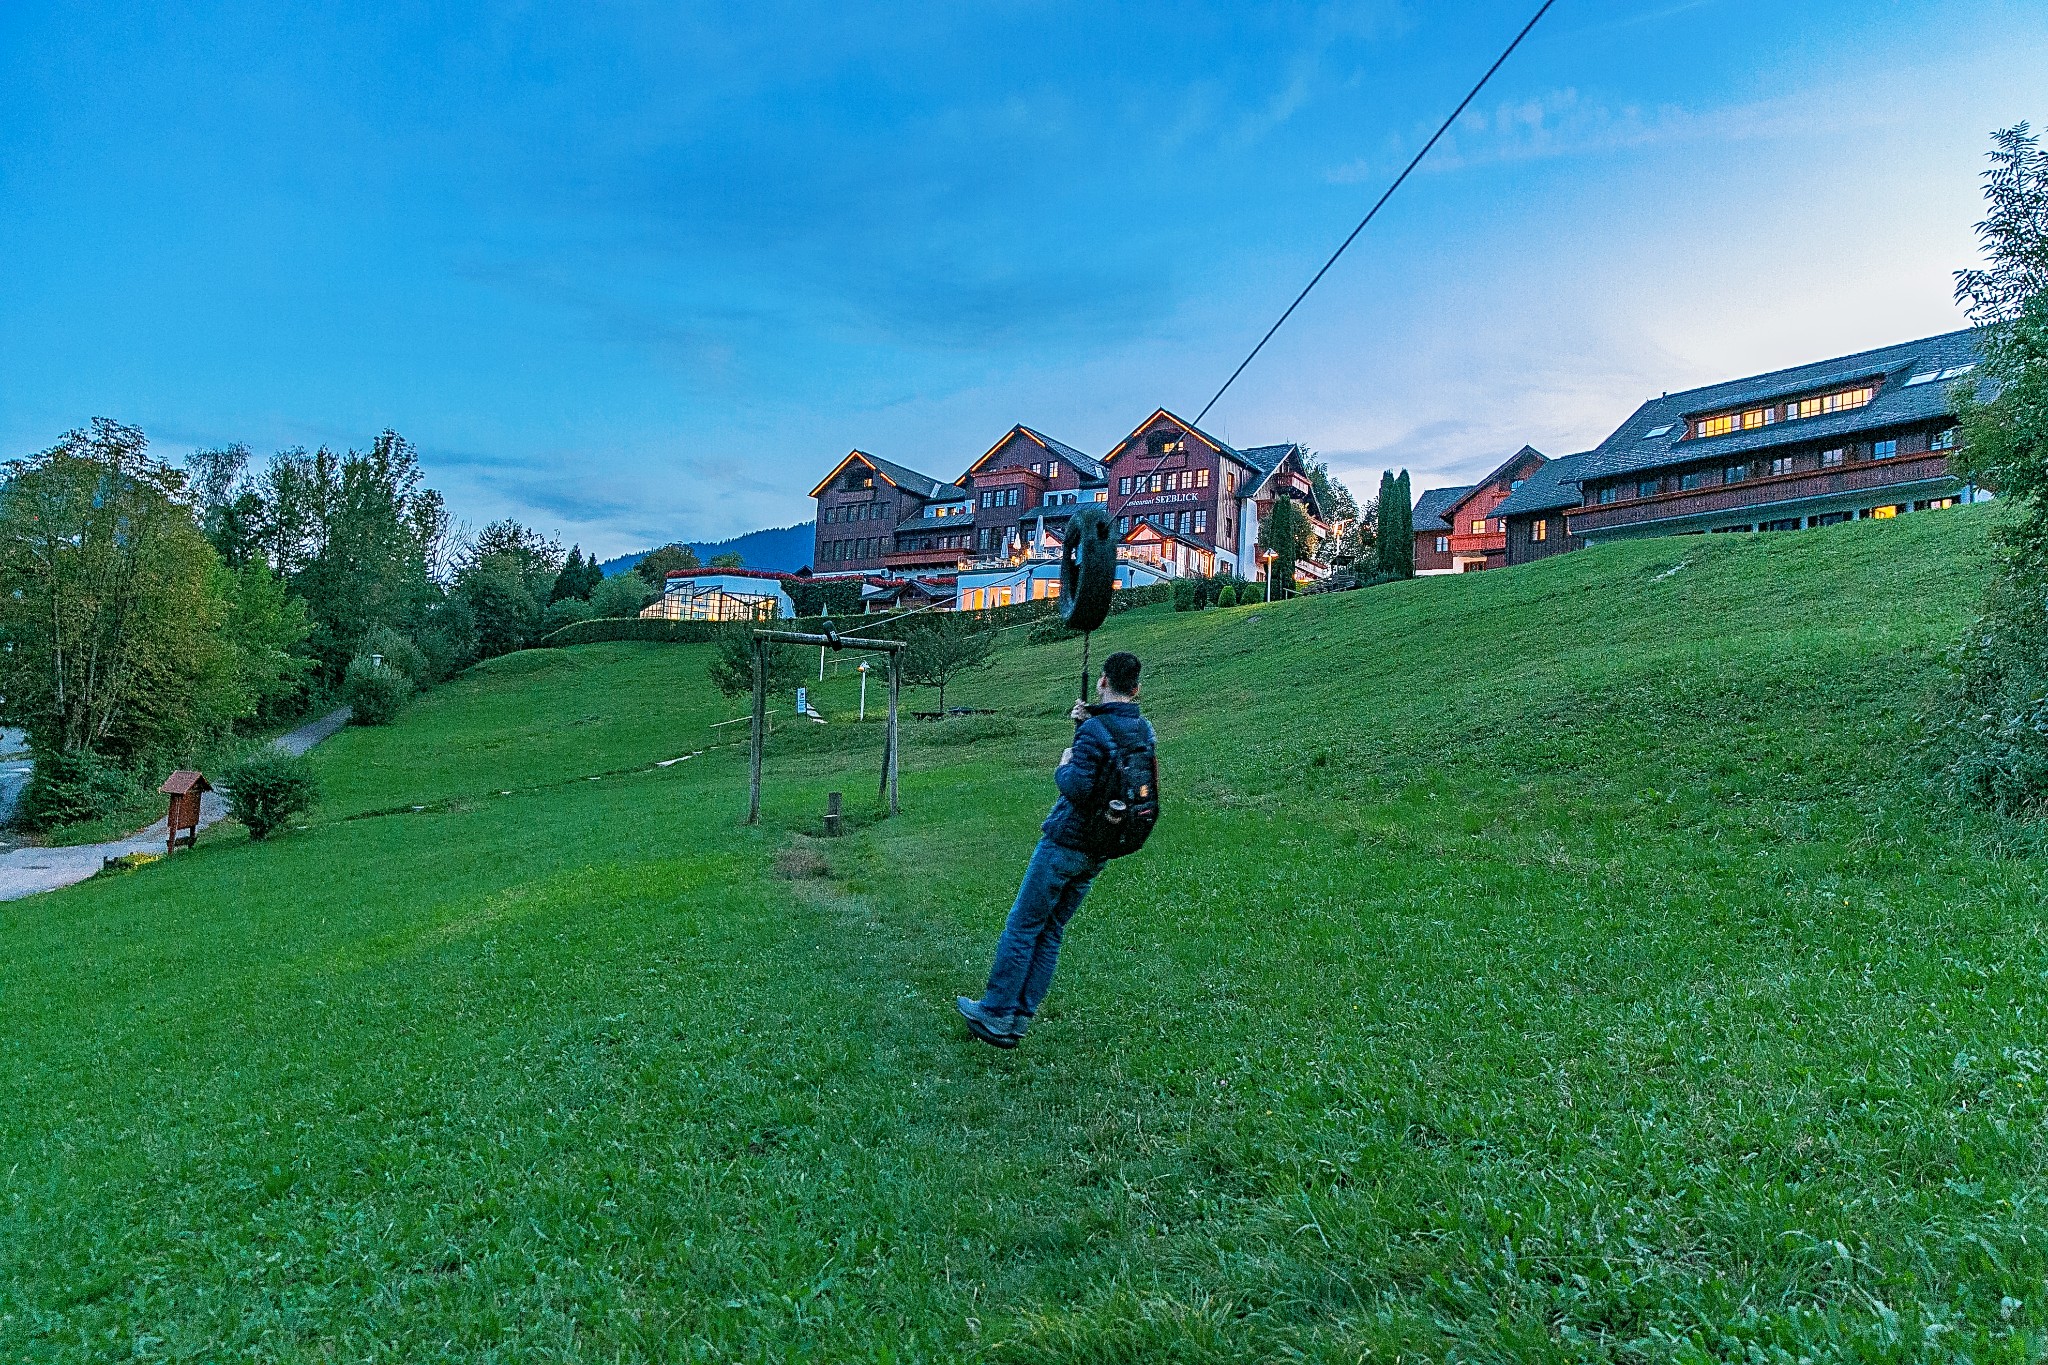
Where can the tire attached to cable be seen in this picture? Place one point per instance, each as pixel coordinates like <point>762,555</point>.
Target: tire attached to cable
<point>1087,567</point>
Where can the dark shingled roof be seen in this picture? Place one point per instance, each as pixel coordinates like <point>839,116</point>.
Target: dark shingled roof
<point>1631,449</point>
<point>1265,459</point>
<point>1090,467</point>
<point>1434,502</point>
<point>908,479</point>
<point>1551,486</point>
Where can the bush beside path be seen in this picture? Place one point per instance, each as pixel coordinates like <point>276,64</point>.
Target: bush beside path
<point>27,871</point>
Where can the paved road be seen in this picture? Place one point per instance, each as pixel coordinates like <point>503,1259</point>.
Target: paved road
<point>26,871</point>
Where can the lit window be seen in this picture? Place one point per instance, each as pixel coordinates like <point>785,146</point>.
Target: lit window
<point>1052,469</point>
<point>1829,459</point>
<point>1172,482</point>
<point>1847,399</point>
<point>1539,529</point>
<point>1945,439</point>
<point>1758,417</point>
<point>1123,488</point>
<point>1885,513</point>
<point>1479,526</point>
<point>1201,478</point>
<point>1201,523</point>
<point>1443,545</point>
<point>1884,450</point>
<point>1781,464</point>
<point>1037,467</point>
<point>1649,488</point>
<point>1158,482</point>
<point>1716,426</point>
<point>1936,504</point>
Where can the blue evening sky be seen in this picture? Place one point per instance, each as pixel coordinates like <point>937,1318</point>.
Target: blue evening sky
<point>640,273</point>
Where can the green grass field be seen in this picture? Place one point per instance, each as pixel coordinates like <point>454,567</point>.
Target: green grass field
<point>1569,963</point>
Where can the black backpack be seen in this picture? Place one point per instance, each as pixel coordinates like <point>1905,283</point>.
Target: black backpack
<point>1127,797</point>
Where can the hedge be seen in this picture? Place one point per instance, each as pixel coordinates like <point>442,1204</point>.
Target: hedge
<point>661,630</point>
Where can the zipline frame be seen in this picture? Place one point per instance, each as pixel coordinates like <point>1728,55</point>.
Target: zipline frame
<point>833,640</point>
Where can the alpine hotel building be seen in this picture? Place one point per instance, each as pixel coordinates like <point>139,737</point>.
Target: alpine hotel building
<point>1184,501</point>
<point>1860,436</point>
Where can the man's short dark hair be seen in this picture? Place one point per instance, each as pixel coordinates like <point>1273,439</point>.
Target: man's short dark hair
<point>1121,668</point>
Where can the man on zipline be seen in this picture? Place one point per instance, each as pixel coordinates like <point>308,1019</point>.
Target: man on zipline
<point>1109,801</point>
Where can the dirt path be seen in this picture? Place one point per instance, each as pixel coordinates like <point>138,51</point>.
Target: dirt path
<point>26,871</point>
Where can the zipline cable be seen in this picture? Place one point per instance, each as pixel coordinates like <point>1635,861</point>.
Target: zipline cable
<point>1138,481</point>
<point>1373,212</point>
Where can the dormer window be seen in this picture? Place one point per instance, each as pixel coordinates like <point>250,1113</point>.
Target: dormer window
<point>1161,444</point>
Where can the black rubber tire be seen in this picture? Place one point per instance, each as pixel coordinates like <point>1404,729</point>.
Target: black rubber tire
<point>1087,568</point>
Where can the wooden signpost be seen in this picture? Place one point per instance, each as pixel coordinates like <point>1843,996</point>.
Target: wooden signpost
<point>830,640</point>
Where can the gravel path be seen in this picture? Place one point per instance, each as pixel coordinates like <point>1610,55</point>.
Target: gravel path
<point>26,871</point>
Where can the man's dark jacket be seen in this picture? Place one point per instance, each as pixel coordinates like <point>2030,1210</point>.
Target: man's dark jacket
<point>1082,780</point>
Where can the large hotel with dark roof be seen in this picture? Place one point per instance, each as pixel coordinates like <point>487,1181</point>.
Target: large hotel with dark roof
<point>1184,501</point>
<point>1860,436</point>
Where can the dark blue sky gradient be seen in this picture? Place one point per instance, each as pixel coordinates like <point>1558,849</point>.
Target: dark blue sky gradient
<point>637,273</point>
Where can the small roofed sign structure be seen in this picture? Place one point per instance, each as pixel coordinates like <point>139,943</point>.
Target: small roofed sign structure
<point>184,787</point>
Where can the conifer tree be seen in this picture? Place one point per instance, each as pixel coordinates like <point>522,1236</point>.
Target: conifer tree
<point>1385,551</point>
<point>1404,541</point>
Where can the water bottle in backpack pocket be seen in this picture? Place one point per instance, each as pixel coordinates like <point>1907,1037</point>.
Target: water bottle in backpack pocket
<point>1129,798</point>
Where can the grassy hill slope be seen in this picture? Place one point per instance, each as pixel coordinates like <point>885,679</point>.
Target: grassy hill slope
<point>1563,963</point>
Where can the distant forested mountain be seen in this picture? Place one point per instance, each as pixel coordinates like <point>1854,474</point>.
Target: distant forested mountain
<point>783,548</point>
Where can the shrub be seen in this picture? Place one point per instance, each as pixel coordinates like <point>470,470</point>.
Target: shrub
<point>1228,597</point>
<point>654,630</point>
<point>267,787</point>
<point>375,691</point>
<point>563,611</point>
<point>1186,594</point>
<point>447,637</point>
<point>620,595</point>
<point>69,785</point>
<point>400,652</point>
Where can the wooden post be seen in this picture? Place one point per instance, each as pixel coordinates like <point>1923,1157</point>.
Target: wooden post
<point>889,772</point>
<point>760,718</point>
<point>831,815</point>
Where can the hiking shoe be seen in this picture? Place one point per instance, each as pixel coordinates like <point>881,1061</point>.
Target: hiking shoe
<point>1019,1022</point>
<point>986,1024</point>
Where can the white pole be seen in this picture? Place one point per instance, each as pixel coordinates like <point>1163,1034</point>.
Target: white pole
<point>821,663</point>
<point>863,691</point>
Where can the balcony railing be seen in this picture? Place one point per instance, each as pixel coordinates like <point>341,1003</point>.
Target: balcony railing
<point>1760,494</point>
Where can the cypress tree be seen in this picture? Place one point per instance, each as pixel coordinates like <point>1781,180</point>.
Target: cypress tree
<point>1404,548</point>
<point>1389,529</point>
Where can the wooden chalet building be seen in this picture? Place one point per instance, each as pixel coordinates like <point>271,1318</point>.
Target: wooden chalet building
<point>1863,435</point>
<point>1025,487</point>
<point>1185,503</point>
<point>1432,532</point>
<point>871,511</point>
<point>1533,515</point>
<point>1457,530</point>
<point>1211,496</point>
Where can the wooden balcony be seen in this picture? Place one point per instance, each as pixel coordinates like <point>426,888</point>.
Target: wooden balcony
<point>1760,495</point>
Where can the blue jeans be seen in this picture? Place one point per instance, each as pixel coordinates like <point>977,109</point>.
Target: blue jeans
<point>1054,884</point>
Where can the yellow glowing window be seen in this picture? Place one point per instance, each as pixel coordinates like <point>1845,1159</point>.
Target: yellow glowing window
<point>1758,417</point>
<point>1479,527</point>
<point>1717,426</point>
<point>1846,399</point>
<point>1882,513</point>
<point>1539,529</point>
<point>1201,478</point>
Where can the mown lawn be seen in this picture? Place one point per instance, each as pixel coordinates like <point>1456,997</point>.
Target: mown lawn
<point>1566,963</point>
